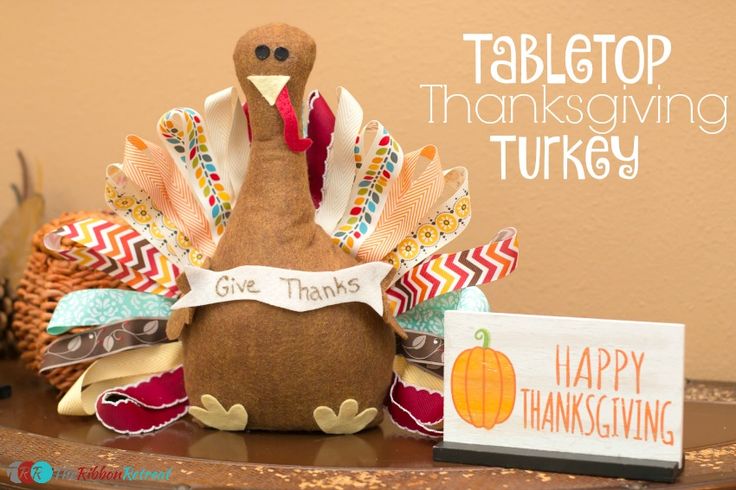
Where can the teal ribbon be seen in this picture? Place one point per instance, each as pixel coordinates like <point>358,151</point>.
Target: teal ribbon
<point>429,316</point>
<point>93,307</point>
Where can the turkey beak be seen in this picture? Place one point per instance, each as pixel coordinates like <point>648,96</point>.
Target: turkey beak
<point>270,86</point>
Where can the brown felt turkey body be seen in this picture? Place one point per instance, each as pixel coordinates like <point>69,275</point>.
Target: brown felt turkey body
<point>279,364</point>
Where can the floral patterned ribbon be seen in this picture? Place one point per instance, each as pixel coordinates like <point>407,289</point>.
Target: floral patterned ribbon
<point>138,210</point>
<point>105,340</point>
<point>429,316</point>
<point>425,350</point>
<point>441,226</point>
<point>154,171</point>
<point>409,202</point>
<point>92,307</point>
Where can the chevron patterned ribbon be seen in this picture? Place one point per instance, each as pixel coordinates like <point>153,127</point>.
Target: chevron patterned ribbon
<point>409,201</point>
<point>371,187</point>
<point>183,133</point>
<point>93,260</point>
<point>137,209</point>
<point>153,170</point>
<point>120,251</point>
<point>446,222</point>
<point>449,272</point>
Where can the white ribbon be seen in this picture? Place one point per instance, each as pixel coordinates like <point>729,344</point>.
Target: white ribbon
<point>228,132</point>
<point>284,288</point>
<point>340,163</point>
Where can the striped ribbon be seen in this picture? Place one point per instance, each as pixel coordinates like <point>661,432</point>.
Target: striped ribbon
<point>118,250</point>
<point>445,223</point>
<point>184,136</point>
<point>409,201</point>
<point>138,210</point>
<point>153,170</point>
<point>371,188</point>
<point>452,271</point>
<point>340,163</point>
<point>227,129</point>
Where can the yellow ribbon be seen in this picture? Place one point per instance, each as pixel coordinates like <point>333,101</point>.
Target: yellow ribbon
<point>118,370</point>
<point>412,374</point>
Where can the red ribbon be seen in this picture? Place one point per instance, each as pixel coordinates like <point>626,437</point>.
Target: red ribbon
<point>146,406</point>
<point>415,409</point>
<point>320,128</point>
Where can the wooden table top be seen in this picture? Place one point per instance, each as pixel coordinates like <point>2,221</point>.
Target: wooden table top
<point>385,457</point>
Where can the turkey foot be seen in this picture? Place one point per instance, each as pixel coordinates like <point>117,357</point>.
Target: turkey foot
<point>348,421</point>
<point>214,414</point>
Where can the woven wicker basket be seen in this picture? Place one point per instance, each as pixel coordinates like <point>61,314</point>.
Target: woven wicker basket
<point>46,279</point>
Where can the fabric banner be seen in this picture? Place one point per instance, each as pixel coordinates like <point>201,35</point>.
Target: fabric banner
<point>290,289</point>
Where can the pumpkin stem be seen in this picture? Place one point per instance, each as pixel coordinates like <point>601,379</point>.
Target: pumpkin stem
<point>484,335</point>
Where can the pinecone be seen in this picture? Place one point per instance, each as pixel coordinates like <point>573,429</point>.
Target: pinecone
<point>7,339</point>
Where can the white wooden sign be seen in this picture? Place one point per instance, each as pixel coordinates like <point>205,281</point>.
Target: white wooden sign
<point>566,385</point>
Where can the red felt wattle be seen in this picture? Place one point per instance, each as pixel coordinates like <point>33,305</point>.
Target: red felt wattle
<point>247,119</point>
<point>291,125</point>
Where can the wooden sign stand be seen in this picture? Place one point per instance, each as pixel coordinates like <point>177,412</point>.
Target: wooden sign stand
<point>570,395</point>
<point>558,462</point>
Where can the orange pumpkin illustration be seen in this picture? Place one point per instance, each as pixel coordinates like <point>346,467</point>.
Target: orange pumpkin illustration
<point>483,384</point>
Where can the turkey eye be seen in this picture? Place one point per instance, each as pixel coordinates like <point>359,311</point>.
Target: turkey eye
<point>281,54</point>
<point>262,52</point>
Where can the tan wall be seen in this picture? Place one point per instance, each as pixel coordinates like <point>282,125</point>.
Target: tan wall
<point>78,76</point>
